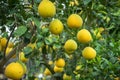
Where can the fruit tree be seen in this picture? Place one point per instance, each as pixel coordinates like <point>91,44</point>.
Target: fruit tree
<point>60,39</point>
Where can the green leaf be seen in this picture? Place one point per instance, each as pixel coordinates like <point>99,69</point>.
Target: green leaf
<point>45,30</point>
<point>48,41</point>
<point>37,22</point>
<point>27,51</point>
<point>40,44</point>
<point>20,31</point>
<point>57,45</point>
<point>86,2</point>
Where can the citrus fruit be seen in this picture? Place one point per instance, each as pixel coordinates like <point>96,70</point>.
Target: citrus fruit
<point>3,42</point>
<point>10,44</point>
<point>14,71</point>
<point>60,62</point>
<point>66,77</point>
<point>117,78</point>
<point>76,2</point>
<point>0,47</point>
<point>75,72</point>
<point>56,26</point>
<point>50,62</point>
<point>47,72</point>
<point>71,3</point>
<point>58,69</point>
<point>23,65</point>
<point>84,36</point>
<point>78,67</point>
<point>22,57</point>
<point>46,9</point>
<point>97,32</point>
<point>74,21</point>
<point>8,51</point>
<point>36,79</point>
<point>70,46</point>
<point>32,45</point>
<point>101,29</point>
<point>89,53</point>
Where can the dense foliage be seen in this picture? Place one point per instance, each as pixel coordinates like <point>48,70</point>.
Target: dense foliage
<point>21,24</point>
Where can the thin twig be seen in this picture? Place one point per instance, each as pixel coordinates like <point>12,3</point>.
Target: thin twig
<point>32,3</point>
<point>45,60</point>
<point>48,66</point>
<point>15,25</point>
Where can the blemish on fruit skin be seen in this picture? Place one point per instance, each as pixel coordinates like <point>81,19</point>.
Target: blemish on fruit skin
<point>56,28</point>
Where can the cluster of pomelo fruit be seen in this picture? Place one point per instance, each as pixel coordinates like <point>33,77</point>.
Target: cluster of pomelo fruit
<point>47,9</point>
<point>74,21</point>
<point>9,47</point>
<point>58,67</point>
<point>5,44</point>
<point>14,70</point>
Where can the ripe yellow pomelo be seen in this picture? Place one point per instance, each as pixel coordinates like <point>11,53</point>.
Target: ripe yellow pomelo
<point>97,32</point>
<point>84,36</point>
<point>22,57</point>
<point>56,27</point>
<point>32,45</point>
<point>50,62</point>
<point>101,29</point>
<point>58,69</point>
<point>76,2</point>
<point>37,79</point>
<point>46,9</point>
<point>70,46</point>
<point>14,71</point>
<point>89,53</point>
<point>0,47</point>
<point>71,3</point>
<point>78,67</point>
<point>8,51</point>
<point>66,77</point>
<point>3,42</point>
<point>10,44</point>
<point>23,65</point>
<point>74,21</point>
<point>60,62</point>
<point>47,72</point>
<point>117,78</point>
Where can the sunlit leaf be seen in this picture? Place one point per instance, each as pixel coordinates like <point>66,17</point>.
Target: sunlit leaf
<point>20,31</point>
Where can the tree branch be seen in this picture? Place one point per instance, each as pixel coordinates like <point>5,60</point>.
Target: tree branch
<point>48,66</point>
<point>14,25</point>
<point>12,53</point>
